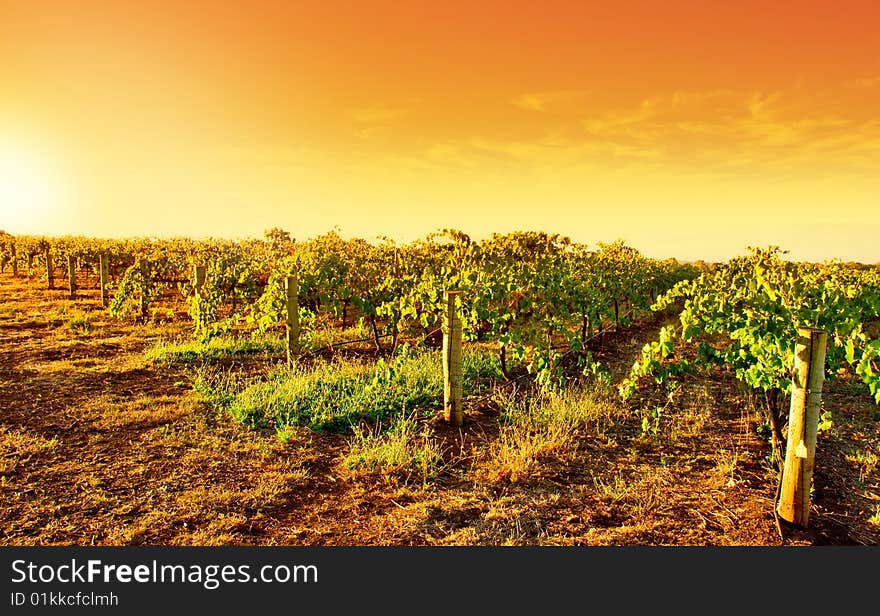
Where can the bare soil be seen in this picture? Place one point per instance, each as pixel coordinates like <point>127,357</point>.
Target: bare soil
<point>98,446</point>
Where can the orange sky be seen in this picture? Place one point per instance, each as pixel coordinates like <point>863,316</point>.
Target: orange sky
<point>688,129</point>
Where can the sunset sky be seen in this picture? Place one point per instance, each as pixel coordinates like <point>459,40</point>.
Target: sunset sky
<point>686,128</point>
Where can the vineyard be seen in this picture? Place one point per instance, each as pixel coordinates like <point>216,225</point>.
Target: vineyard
<point>521,389</point>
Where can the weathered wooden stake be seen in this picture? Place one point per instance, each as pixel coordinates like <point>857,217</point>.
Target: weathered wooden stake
<point>104,269</point>
<point>292,289</point>
<point>50,275</point>
<point>452,375</point>
<point>201,273</point>
<point>71,275</point>
<point>14,261</point>
<point>803,425</point>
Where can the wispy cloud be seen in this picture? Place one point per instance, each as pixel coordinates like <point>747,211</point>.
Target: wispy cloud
<point>376,119</point>
<point>452,154</point>
<point>531,102</point>
<point>377,113</point>
<point>720,127</point>
<point>686,135</point>
<point>865,82</point>
<point>542,102</point>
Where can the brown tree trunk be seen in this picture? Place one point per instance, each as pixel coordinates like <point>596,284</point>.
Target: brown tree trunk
<point>777,438</point>
<point>375,333</point>
<point>585,321</point>
<point>344,312</point>
<point>502,356</point>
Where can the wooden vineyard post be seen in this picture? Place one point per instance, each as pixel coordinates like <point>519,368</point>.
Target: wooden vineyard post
<point>50,276</point>
<point>104,271</point>
<point>292,291</point>
<point>201,274</point>
<point>71,275</point>
<point>452,374</point>
<point>14,261</point>
<point>803,425</point>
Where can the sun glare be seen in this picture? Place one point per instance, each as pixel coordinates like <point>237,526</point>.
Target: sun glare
<point>29,192</point>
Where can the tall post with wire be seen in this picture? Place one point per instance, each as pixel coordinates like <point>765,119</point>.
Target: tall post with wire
<point>50,274</point>
<point>292,291</point>
<point>803,426</point>
<point>201,274</point>
<point>452,374</point>
<point>71,276</point>
<point>104,272</point>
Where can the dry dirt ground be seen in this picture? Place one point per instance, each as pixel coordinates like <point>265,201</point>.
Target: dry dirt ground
<point>98,446</point>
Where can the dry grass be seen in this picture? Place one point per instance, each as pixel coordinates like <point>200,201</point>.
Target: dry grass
<point>691,420</point>
<point>543,429</point>
<point>865,460</point>
<point>19,446</point>
<point>405,450</point>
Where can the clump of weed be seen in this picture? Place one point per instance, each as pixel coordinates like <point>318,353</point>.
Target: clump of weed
<point>405,449</point>
<point>217,387</point>
<point>544,428</point>
<point>162,315</point>
<point>865,460</point>
<point>79,322</point>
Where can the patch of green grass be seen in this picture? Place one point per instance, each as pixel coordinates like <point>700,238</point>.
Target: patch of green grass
<point>479,363</point>
<point>334,395</point>
<point>217,387</point>
<point>218,348</point>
